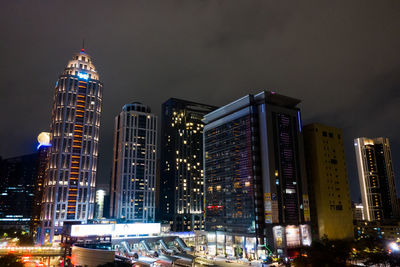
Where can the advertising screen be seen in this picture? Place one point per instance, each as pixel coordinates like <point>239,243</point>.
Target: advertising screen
<point>115,230</point>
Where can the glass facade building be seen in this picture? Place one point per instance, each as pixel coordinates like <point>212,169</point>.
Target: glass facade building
<point>133,183</point>
<point>181,176</point>
<point>17,190</point>
<point>69,187</point>
<point>255,183</point>
<point>376,177</point>
<point>230,171</point>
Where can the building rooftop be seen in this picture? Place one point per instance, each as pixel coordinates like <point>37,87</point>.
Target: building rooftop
<point>81,63</point>
<point>262,97</point>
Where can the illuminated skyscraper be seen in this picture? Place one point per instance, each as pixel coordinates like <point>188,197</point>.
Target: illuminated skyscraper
<point>376,177</point>
<point>134,164</point>
<point>70,182</point>
<point>181,175</point>
<point>331,212</point>
<point>255,180</point>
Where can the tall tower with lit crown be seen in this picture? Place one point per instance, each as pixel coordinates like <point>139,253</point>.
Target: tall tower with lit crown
<point>69,193</point>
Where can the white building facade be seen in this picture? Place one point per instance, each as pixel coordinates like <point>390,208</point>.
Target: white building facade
<point>133,184</point>
<point>69,187</point>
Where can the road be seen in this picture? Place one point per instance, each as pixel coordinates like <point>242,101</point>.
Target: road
<point>33,251</point>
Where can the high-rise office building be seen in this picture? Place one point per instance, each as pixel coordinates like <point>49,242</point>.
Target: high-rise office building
<point>255,181</point>
<point>17,190</point>
<point>376,177</point>
<point>331,211</point>
<point>69,192</point>
<point>134,164</point>
<point>181,175</point>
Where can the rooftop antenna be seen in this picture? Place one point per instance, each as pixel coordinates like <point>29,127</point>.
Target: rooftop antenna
<point>83,45</point>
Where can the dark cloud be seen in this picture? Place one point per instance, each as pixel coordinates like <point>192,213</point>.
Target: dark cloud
<point>340,57</point>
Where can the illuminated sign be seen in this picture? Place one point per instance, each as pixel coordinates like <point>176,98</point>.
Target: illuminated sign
<point>84,76</point>
<point>115,230</point>
<point>278,236</point>
<point>306,206</point>
<point>292,236</point>
<point>305,232</point>
<point>268,207</point>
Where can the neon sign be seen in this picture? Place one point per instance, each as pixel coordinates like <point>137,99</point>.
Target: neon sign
<point>84,76</point>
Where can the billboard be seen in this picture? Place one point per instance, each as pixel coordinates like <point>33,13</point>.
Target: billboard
<point>268,207</point>
<point>115,230</point>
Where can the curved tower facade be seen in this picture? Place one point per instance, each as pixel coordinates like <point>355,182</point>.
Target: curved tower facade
<point>69,193</point>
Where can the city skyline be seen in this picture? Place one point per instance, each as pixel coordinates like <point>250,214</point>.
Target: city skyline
<point>200,133</point>
<point>361,84</point>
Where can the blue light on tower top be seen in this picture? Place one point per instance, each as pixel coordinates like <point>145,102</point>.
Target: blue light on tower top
<point>42,145</point>
<point>299,120</point>
<point>82,75</point>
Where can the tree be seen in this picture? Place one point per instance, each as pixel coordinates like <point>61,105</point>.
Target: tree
<point>376,258</point>
<point>10,260</point>
<point>238,251</point>
<point>373,251</point>
<point>25,238</point>
<point>324,253</point>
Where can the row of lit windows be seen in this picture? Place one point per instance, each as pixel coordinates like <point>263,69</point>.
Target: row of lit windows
<point>68,97</point>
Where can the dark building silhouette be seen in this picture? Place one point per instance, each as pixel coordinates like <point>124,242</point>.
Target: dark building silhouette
<point>42,161</point>
<point>17,190</point>
<point>181,174</point>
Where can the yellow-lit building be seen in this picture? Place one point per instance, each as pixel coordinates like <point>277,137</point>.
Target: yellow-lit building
<point>328,185</point>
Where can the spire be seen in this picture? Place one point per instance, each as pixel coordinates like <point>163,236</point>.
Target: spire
<point>83,45</point>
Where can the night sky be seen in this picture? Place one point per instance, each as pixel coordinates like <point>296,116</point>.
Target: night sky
<point>341,58</point>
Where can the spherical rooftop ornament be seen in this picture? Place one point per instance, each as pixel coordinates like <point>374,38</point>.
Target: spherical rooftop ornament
<point>44,139</point>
